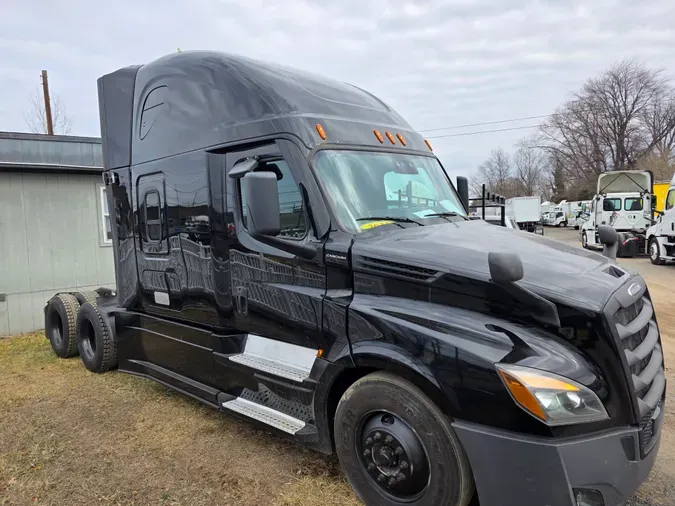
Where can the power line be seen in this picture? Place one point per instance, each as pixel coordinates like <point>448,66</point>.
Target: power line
<point>485,123</point>
<point>483,132</point>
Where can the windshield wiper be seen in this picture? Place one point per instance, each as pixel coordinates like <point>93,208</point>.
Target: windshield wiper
<point>445,215</point>
<point>392,218</point>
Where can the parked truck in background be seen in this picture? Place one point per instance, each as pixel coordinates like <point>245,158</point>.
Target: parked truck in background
<point>526,211</point>
<point>661,189</point>
<point>624,201</point>
<point>440,357</point>
<point>661,235</point>
<point>578,212</point>
<point>559,216</point>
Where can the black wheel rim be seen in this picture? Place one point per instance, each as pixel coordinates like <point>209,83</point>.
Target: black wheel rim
<point>88,340</point>
<point>393,456</point>
<point>56,329</point>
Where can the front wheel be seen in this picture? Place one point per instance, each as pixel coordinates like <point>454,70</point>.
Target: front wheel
<point>396,447</point>
<point>584,240</point>
<point>654,253</point>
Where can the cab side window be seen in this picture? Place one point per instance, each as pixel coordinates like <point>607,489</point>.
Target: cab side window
<point>153,218</point>
<point>670,200</point>
<point>291,206</point>
<point>152,214</point>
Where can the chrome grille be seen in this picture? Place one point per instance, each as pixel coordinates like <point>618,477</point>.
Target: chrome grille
<point>638,335</point>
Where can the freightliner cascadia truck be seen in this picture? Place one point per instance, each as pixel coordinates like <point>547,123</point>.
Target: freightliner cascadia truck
<point>290,251</point>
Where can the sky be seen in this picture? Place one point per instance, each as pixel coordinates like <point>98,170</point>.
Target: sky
<point>439,63</point>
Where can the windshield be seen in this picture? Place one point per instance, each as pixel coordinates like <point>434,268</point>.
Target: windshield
<point>374,185</point>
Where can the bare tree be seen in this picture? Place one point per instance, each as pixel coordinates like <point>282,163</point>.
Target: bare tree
<point>529,165</point>
<point>36,117</point>
<point>659,118</point>
<point>496,174</point>
<point>618,119</point>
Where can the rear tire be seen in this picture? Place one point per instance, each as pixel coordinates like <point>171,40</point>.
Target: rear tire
<point>84,297</point>
<point>654,252</point>
<point>60,324</point>
<point>396,447</point>
<point>95,340</point>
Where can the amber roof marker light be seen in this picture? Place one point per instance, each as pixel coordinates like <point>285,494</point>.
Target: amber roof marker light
<point>400,139</point>
<point>321,131</point>
<point>428,145</point>
<point>379,136</point>
<point>390,137</point>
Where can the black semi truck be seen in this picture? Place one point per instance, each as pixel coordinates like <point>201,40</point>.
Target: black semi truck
<point>290,251</point>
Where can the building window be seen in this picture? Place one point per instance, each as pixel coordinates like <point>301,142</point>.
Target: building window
<point>105,217</point>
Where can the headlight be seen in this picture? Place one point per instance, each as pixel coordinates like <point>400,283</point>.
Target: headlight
<point>553,399</point>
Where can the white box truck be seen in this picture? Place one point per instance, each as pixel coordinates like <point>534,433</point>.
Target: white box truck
<point>526,211</point>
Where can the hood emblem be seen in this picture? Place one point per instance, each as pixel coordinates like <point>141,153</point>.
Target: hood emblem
<point>634,288</point>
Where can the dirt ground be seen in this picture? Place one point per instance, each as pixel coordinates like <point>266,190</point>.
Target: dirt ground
<point>70,437</point>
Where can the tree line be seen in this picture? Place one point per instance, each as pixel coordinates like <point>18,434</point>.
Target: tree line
<point>624,119</point>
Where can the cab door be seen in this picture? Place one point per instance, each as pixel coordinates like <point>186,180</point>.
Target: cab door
<point>277,295</point>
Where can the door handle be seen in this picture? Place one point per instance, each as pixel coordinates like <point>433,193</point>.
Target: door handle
<point>241,300</point>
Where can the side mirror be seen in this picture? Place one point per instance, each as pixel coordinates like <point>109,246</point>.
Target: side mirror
<point>463,191</point>
<point>610,239</point>
<point>505,268</point>
<point>653,201</point>
<point>262,204</point>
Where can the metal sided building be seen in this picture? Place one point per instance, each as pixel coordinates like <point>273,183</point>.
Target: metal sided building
<point>54,224</point>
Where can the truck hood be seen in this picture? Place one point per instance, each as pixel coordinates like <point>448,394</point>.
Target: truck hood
<point>624,181</point>
<point>552,269</point>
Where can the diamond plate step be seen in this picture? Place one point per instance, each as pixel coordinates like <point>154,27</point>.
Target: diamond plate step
<point>265,415</point>
<point>291,372</point>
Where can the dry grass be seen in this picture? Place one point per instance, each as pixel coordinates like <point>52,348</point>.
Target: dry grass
<point>68,436</point>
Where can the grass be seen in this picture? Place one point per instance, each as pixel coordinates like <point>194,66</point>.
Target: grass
<point>68,436</point>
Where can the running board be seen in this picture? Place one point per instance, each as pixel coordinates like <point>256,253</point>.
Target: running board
<point>277,358</point>
<point>266,415</point>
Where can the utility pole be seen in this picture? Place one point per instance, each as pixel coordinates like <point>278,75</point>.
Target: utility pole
<point>48,106</point>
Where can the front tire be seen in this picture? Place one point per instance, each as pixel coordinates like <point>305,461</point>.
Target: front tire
<point>654,253</point>
<point>584,240</point>
<point>396,446</point>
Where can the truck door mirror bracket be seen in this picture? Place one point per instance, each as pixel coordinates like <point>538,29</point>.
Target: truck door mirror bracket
<point>505,270</point>
<point>610,239</point>
<point>243,167</point>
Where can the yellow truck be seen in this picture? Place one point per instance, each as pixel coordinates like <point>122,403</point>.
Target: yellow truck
<point>661,190</point>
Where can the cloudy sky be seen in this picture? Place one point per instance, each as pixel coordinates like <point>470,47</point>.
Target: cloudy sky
<point>440,63</point>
